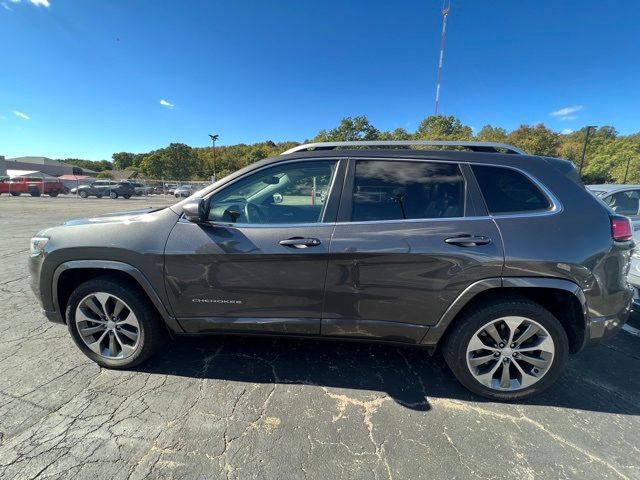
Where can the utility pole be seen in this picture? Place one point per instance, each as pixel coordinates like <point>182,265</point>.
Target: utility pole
<point>584,147</point>
<point>445,13</point>
<point>214,137</point>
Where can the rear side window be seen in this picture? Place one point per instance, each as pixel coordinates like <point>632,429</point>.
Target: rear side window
<point>509,191</point>
<point>397,190</point>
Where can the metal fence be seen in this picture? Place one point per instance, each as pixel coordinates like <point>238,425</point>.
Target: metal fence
<point>41,185</point>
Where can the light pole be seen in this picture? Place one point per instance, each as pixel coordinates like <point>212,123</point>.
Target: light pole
<point>214,137</point>
<point>584,147</point>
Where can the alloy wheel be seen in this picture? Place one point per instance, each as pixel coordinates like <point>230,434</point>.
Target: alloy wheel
<point>107,325</point>
<point>510,353</point>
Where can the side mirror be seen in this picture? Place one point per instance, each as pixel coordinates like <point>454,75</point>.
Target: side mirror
<point>278,198</point>
<point>195,210</point>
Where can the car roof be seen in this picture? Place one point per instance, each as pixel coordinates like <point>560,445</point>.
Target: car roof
<point>610,187</point>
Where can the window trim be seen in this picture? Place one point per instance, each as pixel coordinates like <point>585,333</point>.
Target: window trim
<point>472,196</point>
<point>346,200</point>
<point>333,197</point>
<point>554,204</point>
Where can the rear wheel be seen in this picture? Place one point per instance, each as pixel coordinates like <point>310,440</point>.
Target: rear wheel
<point>508,350</point>
<point>113,195</point>
<point>113,324</point>
<point>83,194</point>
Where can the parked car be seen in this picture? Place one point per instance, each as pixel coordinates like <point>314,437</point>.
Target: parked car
<point>183,191</point>
<point>142,189</point>
<point>500,260</point>
<point>33,186</point>
<point>170,188</point>
<point>102,188</point>
<point>625,200</point>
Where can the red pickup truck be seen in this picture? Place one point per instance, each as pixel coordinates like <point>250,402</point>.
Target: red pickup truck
<point>35,187</point>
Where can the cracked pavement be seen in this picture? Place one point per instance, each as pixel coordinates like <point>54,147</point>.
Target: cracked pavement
<point>241,408</point>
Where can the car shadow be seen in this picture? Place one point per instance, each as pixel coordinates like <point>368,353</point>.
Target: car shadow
<point>409,375</point>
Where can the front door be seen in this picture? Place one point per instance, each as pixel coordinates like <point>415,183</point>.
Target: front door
<point>260,263</point>
<point>408,241</point>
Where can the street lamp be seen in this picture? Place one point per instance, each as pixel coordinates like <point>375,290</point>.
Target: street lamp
<point>214,137</point>
<point>584,147</point>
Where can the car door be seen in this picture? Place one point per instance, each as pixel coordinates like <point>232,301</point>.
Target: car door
<point>260,263</point>
<point>411,236</point>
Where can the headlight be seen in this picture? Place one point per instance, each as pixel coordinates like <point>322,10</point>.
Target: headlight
<point>37,245</point>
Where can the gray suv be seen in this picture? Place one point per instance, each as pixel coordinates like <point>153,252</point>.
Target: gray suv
<point>105,188</point>
<point>501,261</point>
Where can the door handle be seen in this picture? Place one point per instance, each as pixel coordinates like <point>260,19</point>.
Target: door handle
<point>300,242</point>
<point>468,240</point>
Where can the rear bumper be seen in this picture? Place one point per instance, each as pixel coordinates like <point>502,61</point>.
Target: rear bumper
<point>600,329</point>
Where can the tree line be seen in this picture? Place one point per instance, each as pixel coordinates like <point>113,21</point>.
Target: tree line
<point>610,157</point>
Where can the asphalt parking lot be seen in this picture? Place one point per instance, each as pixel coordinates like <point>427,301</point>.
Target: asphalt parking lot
<point>264,408</point>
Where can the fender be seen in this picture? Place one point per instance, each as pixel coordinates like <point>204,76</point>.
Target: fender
<point>435,332</point>
<point>121,267</point>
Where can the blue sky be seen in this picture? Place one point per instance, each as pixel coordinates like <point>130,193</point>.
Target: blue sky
<point>86,78</point>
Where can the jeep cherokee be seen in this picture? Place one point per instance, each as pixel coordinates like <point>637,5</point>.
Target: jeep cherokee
<point>501,261</point>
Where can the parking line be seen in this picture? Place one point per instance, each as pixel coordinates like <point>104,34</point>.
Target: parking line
<point>629,329</point>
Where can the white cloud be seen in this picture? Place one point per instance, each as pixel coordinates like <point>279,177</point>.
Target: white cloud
<point>21,115</point>
<point>566,131</point>
<point>6,7</point>
<point>567,113</point>
<point>166,103</point>
<point>38,3</point>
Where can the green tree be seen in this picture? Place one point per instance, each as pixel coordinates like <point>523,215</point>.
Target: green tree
<point>178,161</point>
<point>350,129</point>
<point>442,127</point>
<point>153,165</point>
<point>122,160</point>
<point>536,140</point>
<point>489,133</point>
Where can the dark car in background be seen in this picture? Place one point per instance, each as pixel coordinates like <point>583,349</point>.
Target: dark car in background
<point>105,188</point>
<point>183,191</point>
<point>500,260</point>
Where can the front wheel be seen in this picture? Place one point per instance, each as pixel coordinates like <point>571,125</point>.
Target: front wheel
<point>113,195</point>
<point>508,350</point>
<point>113,324</point>
<point>83,194</point>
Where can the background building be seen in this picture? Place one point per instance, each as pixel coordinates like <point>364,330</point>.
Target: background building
<point>46,165</point>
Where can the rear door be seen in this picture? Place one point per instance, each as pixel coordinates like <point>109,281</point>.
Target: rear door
<point>411,236</point>
<point>260,263</point>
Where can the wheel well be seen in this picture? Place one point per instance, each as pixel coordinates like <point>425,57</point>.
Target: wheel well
<point>561,303</point>
<point>69,280</point>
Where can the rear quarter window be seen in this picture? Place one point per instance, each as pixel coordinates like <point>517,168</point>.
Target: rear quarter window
<point>508,191</point>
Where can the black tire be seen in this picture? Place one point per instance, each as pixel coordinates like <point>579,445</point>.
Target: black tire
<point>127,197</point>
<point>113,195</point>
<point>83,194</point>
<point>53,193</point>
<point>457,339</point>
<point>15,194</point>
<point>153,332</point>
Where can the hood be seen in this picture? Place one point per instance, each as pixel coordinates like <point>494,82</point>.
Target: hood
<point>131,215</point>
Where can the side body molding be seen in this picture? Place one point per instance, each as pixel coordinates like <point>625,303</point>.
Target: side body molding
<point>121,267</point>
<point>435,333</point>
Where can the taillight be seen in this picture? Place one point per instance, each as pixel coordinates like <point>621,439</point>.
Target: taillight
<point>621,228</point>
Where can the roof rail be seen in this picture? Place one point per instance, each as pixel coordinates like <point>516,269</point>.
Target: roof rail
<point>487,147</point>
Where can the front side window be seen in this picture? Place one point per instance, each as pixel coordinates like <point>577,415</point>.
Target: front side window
<point>624,203</point>
<point>508,191</point>
<point>397,190</point>
<point>288,193</point>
